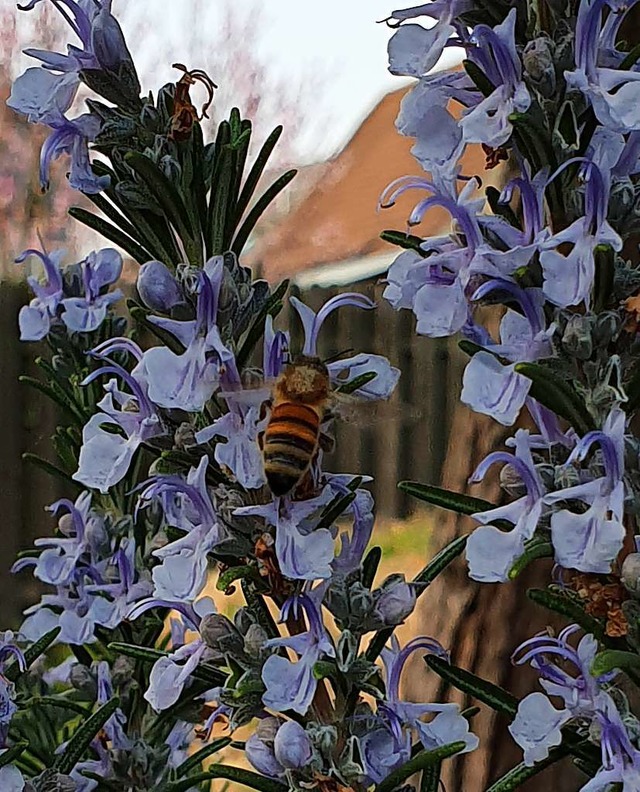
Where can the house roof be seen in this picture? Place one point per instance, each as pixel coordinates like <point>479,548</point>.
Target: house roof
<point>338,220</point>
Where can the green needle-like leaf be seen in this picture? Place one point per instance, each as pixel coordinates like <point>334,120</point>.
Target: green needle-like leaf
<point>370,566</point>
<point>11,754</point>
<point>521,773</point>
<point>535,550</point>
<point>494,696</point>
<point>110,232</point>
<point>235,774</point>
<point>258,209</point>
<point>82,737</point>
<point>445,499</point>
<point>610,659</point>
<point>567,606</point>
<point>196,759</point>
<point>559,396</point>
<point>403,240</point>
<point>419,762</point>
<point>257,169</point>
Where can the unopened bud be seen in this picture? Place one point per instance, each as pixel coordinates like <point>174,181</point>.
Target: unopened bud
<point>254,640</point>
<point>259,748</point>
<point>511,482</point>
<point>214,628</point>
<point>83,680</point>
<point>396,601</point>
<point>538,62</point>
<point>576,338</point>
<point>292,746</point>
<point>630,573</point>
<point>52,781</point>
<point>157,287</point>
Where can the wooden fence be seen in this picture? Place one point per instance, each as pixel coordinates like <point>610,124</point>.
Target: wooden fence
<point>405,438</point>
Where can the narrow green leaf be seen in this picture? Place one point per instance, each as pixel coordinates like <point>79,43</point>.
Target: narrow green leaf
<point>440,562</point>
<point>479,78</point>
<point>359,382</point>
<point>335,509</point>
<point>270,308</point>
<point>521,773</point>
<point>430,781</point>
<point>49,468</point>
<point>219,202</point>
<point>567,606</point>
<point>231,575</point>
<point>406,241</point>
<point>235,774</point>
<point>83,735</point>
<point>494,696</point>
<point>419,762</point>
<point>51,393</point>
<point>370,566</point>
<point>169,200</point>
<point>445,499</point>
<point>469,348</point>
<point>258,209</point>
<point>257,169</point>
<point>558,395</point>
<point>532,553</point>
<point>59,703</point>
<point>110,232</point>
<point>198,757</point>
<point>113,213</point>
<point>610,659</point>
<point>11,754</point>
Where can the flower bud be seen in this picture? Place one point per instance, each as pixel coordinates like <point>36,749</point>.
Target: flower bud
<point>396,601</point>
<point>511,482</point>
<point>538,62</point>
<point>214,628</point>
<point>292,746</point>
<point>157,287</point>
<point>576,338</point>
<point>630,573</point>
<point>83,680</point>
<point>254,640</point>
<point>52,781</point>
<point>259,748</point>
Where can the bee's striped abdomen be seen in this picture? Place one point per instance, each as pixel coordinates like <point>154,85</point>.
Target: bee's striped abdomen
<point>290,442</point>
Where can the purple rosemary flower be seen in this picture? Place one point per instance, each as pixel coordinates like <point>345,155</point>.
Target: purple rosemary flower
<point>415,50</point>
<point>569,273</point>
<point>292,747</point>
<point>496,389</point>
<point>72,137</point>
<point>312,322</point>
<point>259,748</point>
<point>389,746</point>
<point>99,270</point>
<point>158,287</point>
<point>182,573</point>
<point>105,456</point>
<point>171,674</point>
<point>83,533</point>
<point>303,551</point>
<point>494,51</point>
<point>11,779</point>
<point>565,673</point>
<point>187,381</point>
<point>354,543</point>
<point>491,552</point>
<point>289,685</point>
<point>36,318</point>
<point>591,540</point>
<point>614,93</point>
<point>8,650</point>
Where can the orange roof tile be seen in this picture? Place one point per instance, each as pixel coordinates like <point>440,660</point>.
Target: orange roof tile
<point>338,219</point>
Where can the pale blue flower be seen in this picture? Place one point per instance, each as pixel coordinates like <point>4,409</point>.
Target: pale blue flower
<point>158,287</point>
<point>36,318</point>
<point>99,270</point>
<point>491,551</point>
<point>292,747</point>
<point>186,381</point>
<point>590,541</point>
<point>292,685</point>
<point>495,52</point>
<point>303,551</point>
<point>496,389</point>
<point>105,456</point>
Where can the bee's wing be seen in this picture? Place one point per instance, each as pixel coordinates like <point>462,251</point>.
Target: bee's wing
<point>363,412</point>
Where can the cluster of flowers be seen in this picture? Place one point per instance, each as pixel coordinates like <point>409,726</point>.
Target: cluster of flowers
<point>555,92</point>
<point>172,485</point>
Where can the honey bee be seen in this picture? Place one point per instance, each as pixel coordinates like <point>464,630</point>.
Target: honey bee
<point>301,398</point>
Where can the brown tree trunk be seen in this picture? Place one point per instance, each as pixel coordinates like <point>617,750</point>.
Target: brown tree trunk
<point>481,624</point>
